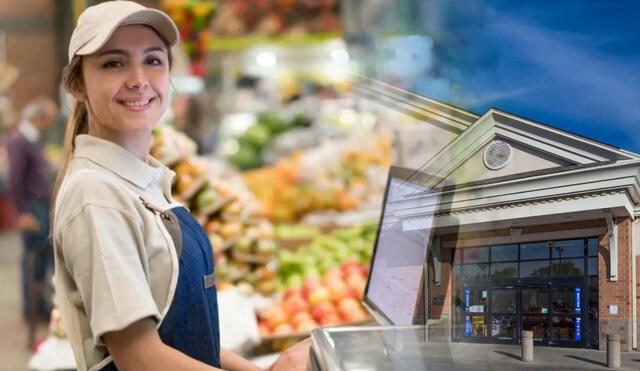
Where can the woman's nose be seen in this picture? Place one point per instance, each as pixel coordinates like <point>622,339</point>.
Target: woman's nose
<point>137,80</point>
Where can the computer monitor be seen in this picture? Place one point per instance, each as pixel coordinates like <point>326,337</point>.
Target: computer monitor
<point>394,294</point>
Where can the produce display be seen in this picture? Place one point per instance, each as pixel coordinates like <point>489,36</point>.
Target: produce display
<point>258,137</point>
<point>271,18</point>
<point>323,283</point>
<point>327,178</point>
<point>242,240</point>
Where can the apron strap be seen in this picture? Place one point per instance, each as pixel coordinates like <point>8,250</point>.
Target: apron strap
<point>171,223</point>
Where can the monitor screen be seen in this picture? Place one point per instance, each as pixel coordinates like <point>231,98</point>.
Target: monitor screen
<point>404,233</point>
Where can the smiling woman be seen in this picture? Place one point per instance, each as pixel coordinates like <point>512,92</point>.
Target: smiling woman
<point>134,271</point>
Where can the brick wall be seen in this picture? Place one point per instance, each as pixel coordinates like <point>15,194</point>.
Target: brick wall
<point>617,293</point>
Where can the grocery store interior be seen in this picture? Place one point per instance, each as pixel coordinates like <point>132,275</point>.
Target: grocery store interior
<point>358,164</point>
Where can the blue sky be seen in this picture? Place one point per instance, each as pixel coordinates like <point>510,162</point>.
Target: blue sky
<point>573,64</point>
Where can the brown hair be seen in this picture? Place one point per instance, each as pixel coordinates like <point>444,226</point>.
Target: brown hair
<point>78,121</point>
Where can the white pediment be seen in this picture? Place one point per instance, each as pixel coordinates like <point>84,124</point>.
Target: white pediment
<point>534,147</point>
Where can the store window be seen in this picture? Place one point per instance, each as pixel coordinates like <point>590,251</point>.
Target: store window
<point>475,271</point>
<point>504,253</point>
<point>567,267</point>
<point>563,300</point>
<point>504,270</point>
<point>536,268</point>
<point>567,249</point>
<point>535,300</point>
<point>503,301</point>
<point>476,255</point>
<point>564,258</point>
<point>537,250</point>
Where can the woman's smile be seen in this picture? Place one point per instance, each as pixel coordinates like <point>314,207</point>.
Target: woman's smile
<point>137,104</point>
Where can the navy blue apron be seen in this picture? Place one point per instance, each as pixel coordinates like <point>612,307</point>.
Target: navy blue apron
<point>191,324</point>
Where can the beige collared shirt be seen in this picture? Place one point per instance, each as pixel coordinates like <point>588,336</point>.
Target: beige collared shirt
<point>115,260</point>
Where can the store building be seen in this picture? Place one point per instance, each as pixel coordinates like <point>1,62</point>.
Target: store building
<point>536,230</point>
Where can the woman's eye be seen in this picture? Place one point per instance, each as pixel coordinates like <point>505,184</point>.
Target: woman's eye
<point>112,64</point>
<point>154,61</point>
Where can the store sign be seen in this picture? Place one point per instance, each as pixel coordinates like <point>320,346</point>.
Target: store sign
<point>578,329</point>
<point>467,325</point>
<point>578,298</point>
<point>467,299</point>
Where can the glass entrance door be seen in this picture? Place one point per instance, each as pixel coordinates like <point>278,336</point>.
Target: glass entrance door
<point>567,317</point>
<point>474,318</point>
<point>504,318</point>
<point>554,312</point>
<point>534,312</point>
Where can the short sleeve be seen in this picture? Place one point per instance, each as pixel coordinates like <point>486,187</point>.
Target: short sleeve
<point>103,250</point>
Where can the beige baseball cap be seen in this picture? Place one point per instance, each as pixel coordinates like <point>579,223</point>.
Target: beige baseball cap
<point>97,23</point>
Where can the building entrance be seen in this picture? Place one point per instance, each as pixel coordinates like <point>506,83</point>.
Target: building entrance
<point>560,310</point>
<point>553,311</point>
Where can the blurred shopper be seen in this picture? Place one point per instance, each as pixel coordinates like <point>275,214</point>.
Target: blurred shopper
<point>134,270</point>
<point>29,183</point>
<point>188,112</point>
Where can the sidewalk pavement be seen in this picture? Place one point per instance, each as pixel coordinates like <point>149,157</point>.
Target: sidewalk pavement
<point>497,357</point>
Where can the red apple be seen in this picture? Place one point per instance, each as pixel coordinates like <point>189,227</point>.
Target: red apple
<point>294,303</point>
<point>330,319</point>
<point>348,305</point>
<point>307,325</point>
<point>331,275</point>
<point>309,285</point>
<point>319,295</point>
<point>300,317</point>
<point>350,266</point>
<point>291,291</point>
<point>337,291</point>
<point>323,309</point>
<point>275,316</point>
<point>358,284</point>
<point>357,315</point>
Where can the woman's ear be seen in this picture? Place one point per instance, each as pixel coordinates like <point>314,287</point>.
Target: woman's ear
<point>78,93</point>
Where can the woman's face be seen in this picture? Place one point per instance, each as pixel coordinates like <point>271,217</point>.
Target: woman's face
<point>126,82</point>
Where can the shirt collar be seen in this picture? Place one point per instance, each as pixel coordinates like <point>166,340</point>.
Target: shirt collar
<point>123,163</point>
<point>29,131</point>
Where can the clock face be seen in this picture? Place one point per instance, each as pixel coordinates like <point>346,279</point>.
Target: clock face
<point>497,155</point>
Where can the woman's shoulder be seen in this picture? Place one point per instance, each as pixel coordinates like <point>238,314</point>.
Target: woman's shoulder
<point>86,185</point>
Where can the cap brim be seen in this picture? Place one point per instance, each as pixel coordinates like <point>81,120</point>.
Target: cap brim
<point>159,21</point>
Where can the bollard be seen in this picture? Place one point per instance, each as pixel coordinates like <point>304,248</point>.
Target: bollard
<point>613,351</point>
<point>527,346</point>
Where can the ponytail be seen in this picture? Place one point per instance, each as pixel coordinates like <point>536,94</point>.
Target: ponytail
<point>78,123</point>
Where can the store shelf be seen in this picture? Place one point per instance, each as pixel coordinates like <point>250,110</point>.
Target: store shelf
<point>239,43</point>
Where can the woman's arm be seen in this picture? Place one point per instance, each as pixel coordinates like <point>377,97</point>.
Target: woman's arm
<point>233,362</point>
<point>139,348</point>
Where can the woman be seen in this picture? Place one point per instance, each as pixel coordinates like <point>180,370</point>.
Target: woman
<point>134,271</point>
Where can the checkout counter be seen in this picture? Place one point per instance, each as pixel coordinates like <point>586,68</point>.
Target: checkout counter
<point>376,348</point>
